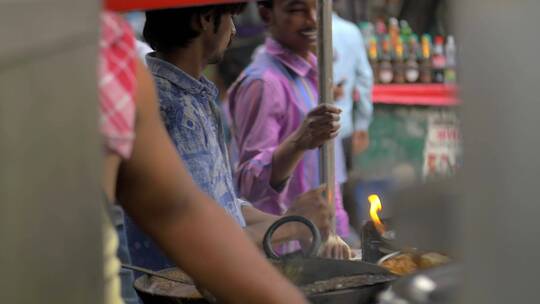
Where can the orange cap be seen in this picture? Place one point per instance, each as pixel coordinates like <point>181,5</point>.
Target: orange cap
<point>143,5</point>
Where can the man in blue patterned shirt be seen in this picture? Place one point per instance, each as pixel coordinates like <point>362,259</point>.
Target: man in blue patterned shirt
<point>189,110</point>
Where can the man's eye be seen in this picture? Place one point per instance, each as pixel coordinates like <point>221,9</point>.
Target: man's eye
<point>296,11</point>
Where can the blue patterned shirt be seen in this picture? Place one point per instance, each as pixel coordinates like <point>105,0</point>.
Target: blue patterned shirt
<point>192,119</point>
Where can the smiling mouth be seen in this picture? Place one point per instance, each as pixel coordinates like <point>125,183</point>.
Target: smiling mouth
<point>310,34</point>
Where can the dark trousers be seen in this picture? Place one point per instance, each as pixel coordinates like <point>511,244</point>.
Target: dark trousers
<point>347,150</point>
<point>348,192</point>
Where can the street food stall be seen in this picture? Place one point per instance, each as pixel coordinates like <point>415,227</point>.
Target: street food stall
<point>322,280</point>
<point>486,217</point>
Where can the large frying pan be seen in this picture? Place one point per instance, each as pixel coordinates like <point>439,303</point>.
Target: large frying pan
<point>322,280</point>
<point>327,280</point>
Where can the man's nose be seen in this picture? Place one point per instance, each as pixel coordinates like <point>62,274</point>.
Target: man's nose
<point>233,29</point>
<point>312,16</point>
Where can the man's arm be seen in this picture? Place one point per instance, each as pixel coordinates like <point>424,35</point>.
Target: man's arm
<point>256,128</point>
<point>259,222</point>
<point>363,85</point>
<point>266,160</point>
<point>363,109</point>
<point>156,190</point>
<point>310,205</point>
<point>320,125</point>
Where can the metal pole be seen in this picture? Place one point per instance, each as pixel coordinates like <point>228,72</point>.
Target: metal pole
<point>325,56</point>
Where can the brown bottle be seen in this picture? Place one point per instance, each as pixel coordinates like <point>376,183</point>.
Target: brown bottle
<point>399,64</point>
<point>393,31</point>
<point>412,72</point>
<point>386,72</point>
<point>425,62</point>
<point>374,58</point>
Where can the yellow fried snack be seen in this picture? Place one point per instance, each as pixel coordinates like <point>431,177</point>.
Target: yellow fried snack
<point>432,259</point>
<point>407,263</point>
<point>401,264</point>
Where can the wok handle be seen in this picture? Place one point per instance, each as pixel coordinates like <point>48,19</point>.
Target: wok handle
<point>267,240</point>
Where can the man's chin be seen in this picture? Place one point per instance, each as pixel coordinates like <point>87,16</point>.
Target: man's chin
<point>302,45</point>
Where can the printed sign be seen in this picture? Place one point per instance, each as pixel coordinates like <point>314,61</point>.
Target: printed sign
<point>442,152</point>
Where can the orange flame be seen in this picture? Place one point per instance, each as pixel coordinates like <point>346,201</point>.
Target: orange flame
<point>375,207</point>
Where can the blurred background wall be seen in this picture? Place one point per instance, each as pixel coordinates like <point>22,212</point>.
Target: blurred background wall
<point>50,199</point>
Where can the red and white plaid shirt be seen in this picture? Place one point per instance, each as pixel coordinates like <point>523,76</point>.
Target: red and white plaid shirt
<point>117,84</point>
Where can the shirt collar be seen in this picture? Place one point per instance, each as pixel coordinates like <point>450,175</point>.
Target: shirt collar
<point>161,68</point>
<point>291,60</point>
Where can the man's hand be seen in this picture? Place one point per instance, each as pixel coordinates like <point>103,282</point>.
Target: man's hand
<point>314,207</point>
<point>360,142</point>
<point>335,248</point>
<point>320,125</point>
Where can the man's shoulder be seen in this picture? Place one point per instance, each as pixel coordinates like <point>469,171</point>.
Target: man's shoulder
<point>344,25</point>
<point>265,78</point>
<point>263,73</point>
<point>261,67</point>
<point>168,91</point>
<point>169,83</point>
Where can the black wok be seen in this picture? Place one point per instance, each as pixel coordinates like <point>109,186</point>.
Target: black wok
<point>322,280</point>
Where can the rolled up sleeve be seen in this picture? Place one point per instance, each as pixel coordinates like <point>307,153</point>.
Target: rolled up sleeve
<point>256,108</point>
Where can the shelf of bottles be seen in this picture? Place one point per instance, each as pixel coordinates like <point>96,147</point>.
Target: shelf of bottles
<point>409,69</point>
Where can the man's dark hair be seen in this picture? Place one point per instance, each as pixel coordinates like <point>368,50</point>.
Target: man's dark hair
<point>169,29</point>
<point>266,3</point>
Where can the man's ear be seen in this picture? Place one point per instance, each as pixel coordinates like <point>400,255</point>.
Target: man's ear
<point>196,23</point>
<point>206,21</point>
<point>266,14</point>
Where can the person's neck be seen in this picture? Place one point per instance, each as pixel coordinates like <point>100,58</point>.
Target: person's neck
<point>190,60</point>
<point>302,53</point>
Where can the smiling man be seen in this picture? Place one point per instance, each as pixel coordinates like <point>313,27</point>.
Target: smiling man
<point>272,102</point>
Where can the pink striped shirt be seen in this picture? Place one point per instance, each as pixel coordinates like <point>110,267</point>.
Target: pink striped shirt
<point>117,84</point>
<point>267,103</point>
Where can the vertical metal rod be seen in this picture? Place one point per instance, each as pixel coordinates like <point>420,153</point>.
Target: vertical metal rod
<point>325,56</point>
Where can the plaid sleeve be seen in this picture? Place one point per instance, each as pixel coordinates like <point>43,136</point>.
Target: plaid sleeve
<point>117,84</point>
